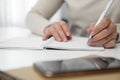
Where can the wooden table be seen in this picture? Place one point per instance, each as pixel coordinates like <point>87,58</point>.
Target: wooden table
<point>29,73</point>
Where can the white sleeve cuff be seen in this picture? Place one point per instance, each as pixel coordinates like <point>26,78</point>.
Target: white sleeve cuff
<point>118,30</point>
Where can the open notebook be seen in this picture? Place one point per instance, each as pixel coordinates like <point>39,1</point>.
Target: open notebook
<point>75,44</point>
<point>31,42</point>
<point>36,43</point>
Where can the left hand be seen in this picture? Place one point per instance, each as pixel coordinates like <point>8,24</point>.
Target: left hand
<point>104,34</point>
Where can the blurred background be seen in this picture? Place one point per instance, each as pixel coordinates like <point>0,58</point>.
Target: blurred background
<point>12,24</point>
<point>13,12</point>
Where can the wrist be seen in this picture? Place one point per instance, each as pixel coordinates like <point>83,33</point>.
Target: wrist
<point>118,37</point>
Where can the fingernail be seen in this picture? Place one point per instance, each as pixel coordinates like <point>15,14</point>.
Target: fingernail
<point>44,39</point>
<point>59,40</point>
<point>65,40</point>
<point>68,34</point>
<point>90,44</point>
<point>92,33</point>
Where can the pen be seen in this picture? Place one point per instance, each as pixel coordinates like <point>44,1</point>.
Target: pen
<point>102,15</point>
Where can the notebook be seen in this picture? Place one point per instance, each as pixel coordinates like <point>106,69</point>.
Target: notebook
<point>30,42</point>
<point>36,43</point>
<point>75,44</point>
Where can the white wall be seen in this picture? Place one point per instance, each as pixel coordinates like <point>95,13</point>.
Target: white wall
<point>13,12</point>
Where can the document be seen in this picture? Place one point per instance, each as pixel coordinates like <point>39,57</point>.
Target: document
<point>36,43</point>
<point>75,44</point>
<point>30,42</point>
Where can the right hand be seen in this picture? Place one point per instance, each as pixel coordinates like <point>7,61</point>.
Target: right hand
<point>59,30</point>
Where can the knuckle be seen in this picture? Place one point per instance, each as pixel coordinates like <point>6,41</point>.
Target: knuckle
<point>105,21</point>
<point>106,30</point>
<point>52,30</point>
<point>95,38</point>
<point>60,32</point>
<point>56,24</point>
<point>114,35</point>
<point>63,23</point>
<point>113,27</point>
<point>59,29</point>
<point>106,39</point>
<point>110,44</point>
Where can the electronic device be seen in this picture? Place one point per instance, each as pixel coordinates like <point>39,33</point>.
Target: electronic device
<point>51,68</point>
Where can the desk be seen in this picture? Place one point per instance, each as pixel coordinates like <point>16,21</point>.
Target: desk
<point>29,73</point>
<point>15,59</point>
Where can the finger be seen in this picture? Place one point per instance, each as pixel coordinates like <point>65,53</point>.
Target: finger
<point>46,35</point>
<point>110,44</point>
<point>112,27</point>
<point>89,30</point>
<point>55,34</point>
<point>103,24</point>
<point>106,32</point>
<point>100,35</point>
<point>60,32</point>
<point>65,28</point>
<point>104,41</point>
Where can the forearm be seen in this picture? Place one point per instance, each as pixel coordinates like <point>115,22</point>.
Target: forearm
<point>36,23</point>
<point>38,18</point>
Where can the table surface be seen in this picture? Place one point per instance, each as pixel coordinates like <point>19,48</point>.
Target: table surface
<point>93,75</point>
<point>14,58</point>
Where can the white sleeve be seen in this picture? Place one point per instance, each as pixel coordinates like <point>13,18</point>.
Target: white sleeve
<point>38,18</point>
<point>118,30</point>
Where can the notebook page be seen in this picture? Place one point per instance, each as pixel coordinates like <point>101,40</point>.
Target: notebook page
<point>77,43</point>
<point>30,42</point>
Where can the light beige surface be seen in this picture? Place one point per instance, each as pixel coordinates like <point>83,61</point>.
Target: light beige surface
<point>29,73</point>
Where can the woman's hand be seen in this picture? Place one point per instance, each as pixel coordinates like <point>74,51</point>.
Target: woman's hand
<point>59,30</point>
<point>104,34</point>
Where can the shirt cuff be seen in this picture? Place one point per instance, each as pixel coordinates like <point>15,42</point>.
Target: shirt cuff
<point>118,30</point>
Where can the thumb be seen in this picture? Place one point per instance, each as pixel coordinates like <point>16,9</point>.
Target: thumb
<point>46,36</point>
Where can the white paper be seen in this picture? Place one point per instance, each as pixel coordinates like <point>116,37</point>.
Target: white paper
<point>36,43</point>
<point>30,42</point>
<point>76,43</point>
<point>33,42</point>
